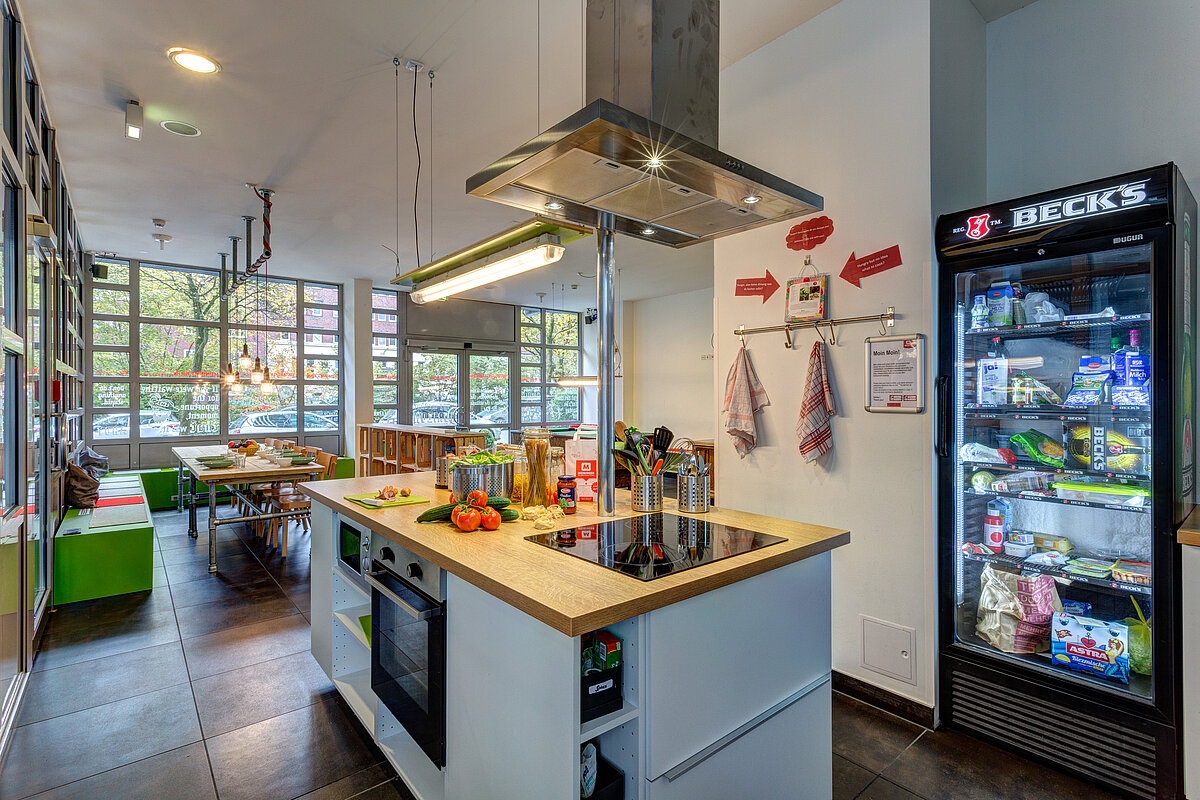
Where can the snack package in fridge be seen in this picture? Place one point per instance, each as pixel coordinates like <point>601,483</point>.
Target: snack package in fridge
<point>992,385</point>
<point>1040,447</point>
<point>1014,611</point>
<point>1090,388</point>
<point>1016,482</point>
<point>1090,645</point>
<point>1101,449</point>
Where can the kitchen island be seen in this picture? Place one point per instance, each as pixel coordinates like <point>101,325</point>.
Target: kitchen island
<point>725,666</point>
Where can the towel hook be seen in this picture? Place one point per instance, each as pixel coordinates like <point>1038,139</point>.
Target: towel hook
<point>832,335</point>
<point>787,337</point>
<point>741,335</point>
<point>882,324</point>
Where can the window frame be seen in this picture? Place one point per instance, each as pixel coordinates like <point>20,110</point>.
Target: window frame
<point>537,412</point>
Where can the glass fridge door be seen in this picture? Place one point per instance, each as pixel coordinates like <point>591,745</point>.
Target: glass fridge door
<point>1052,438</point>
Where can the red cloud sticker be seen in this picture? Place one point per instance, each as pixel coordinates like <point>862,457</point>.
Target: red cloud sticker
<point>809,234</point>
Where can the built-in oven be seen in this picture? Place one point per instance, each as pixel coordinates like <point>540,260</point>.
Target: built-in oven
<point>408,644</point>
<point>354,548</point>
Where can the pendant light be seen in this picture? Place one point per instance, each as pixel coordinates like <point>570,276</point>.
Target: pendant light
<point>256,374</point>
<point>244,360</point>
<point>236,387</point>
<point>228,376</point>
<point>267,386</point>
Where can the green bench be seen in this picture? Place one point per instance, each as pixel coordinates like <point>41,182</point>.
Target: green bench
<point>105,560</point>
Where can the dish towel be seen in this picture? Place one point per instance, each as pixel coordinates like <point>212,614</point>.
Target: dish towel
<point>744,396</point>
<point>816,409</point>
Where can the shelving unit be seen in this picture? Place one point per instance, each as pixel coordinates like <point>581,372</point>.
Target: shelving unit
<point>618,735</point>
<point>1050,498</point>
<point>386,449</point>
<point>1019,564</point>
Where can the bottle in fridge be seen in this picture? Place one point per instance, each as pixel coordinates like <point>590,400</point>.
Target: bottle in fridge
<point>1065,429</point>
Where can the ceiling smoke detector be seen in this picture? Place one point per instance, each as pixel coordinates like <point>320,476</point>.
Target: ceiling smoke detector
<point>159,224</point>
<point>162,239</point>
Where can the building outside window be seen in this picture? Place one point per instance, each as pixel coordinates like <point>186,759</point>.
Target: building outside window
<point>551,348</point>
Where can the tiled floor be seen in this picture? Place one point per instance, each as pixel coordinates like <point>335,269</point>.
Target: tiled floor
<point>877,756</point>
<point>203,688</point>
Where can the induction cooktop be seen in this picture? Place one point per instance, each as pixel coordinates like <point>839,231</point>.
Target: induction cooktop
<point>654,545</point>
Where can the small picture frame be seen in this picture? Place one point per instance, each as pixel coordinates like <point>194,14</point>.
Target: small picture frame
<point>895,374</point>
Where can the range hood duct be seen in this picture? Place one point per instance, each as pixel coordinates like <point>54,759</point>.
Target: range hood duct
<point>644,149</point>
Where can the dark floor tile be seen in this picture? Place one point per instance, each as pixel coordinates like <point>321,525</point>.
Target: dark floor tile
<point>947,765</point>
<point>89,613</point>
<point>57,751</point>
<point>242,566</point>
<point>54,692</point>
<point>883,789</point>
<point>61,646</point>
<point>208,618</point>
<point>182,555</point>
<point>354,785</point>
<point>300,596</point>
<point>181,774</point>
<point>160,578</point>
<point>250,644</point>
<point>292,754</point>
<point>867,736</point>
<point>849,779</point>
<point>241,697</point>
<point>392,790</point>
<point>222,587</point>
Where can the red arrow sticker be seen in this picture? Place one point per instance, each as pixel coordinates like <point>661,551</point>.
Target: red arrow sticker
<point>750,287</point>
<point>858,268</point>
<point>809,234</point>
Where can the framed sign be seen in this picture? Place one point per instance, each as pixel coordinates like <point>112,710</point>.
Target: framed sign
<point>896,374</point>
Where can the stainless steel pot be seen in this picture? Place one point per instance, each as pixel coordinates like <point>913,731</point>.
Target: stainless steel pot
<point>495,479</point>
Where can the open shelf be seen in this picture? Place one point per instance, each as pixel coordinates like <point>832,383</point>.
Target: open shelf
<point>600,725</point>
<point>425,781</point>
<point>1049,328</point>
<point>348,617</point>
<point>355,687</point>
<point>1017,563</point>
<point>1050,498</point>
<point>1032,466</point>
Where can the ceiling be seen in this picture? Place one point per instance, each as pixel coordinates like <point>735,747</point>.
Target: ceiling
<point>307,103</point>
<point>995,9</point>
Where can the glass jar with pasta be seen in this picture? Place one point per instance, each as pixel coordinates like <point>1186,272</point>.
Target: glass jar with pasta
<point>538,467</point>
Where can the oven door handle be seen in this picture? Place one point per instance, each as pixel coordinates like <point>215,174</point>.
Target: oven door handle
<point>414,604</point>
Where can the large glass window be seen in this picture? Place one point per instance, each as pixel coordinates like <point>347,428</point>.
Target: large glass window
<point>161,337</point>
<point>551,348</point>
<point>385,352</point>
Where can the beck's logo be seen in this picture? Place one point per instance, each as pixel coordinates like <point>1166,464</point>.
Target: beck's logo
<point>1079,206</point>
<point>977,227</point>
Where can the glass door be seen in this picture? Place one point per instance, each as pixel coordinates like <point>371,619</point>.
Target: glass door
<point>436,388</point>
<point>465,389</point>
<point>1054,458</point>
<point>489,396</point>
<point>37,543</point>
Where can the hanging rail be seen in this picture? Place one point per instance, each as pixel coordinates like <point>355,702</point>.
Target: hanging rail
<point>886,320</point>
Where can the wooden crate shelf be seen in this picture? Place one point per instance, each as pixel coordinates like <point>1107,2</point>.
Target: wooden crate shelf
<point>387,449</point>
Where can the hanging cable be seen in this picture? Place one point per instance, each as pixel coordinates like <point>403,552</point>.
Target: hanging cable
<point>431,162</point>
<point>417,179</point>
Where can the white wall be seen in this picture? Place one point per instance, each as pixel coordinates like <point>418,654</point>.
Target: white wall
<point>1083,89</point>
<point>841,106</point>
<point>667,381</point>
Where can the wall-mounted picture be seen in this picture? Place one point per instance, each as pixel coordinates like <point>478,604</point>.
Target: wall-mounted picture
<point>806,299</point>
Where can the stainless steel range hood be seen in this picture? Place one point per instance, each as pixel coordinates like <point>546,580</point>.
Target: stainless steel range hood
<point>659,58</point>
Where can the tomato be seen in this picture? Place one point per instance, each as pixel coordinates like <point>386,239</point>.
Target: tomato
<point>477,498</point>
<point>458,509</point>
<point>490,519</point>
<point>468,520</point>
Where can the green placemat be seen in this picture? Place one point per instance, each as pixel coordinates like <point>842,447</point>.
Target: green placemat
<point>365,622</point>
<point>411,500</point>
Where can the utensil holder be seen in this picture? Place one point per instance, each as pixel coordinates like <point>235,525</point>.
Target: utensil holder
<point>647,492</point>
<point>495,479</point>
<point>693,494</point>
<point>442,476</point>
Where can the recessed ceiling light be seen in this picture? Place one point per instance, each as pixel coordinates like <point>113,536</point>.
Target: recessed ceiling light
<point>554,205</point>
<point>647,231</point>
<point>654,163</point>
<point>751,199</point>
<point>193,61</point>
<point>179,128</point>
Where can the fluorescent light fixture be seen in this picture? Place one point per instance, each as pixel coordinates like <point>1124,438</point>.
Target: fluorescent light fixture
<point>579,380</point>
<point>193,61</point>
<point>133,120</point>
<point>535,253</point>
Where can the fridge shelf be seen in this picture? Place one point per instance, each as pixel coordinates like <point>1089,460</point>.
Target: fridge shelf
<point>1065,326</point>
<point>1065,413</point>
<point>1017,563</point>
<point>1031,466</point>
<point>1049,498</point>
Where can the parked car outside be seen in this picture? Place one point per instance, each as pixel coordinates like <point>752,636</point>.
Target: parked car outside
<point>281,420</point>
<point>150,424</point>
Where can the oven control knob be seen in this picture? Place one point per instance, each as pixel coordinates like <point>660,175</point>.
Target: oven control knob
<point>414,570</point>
<point>386,554</point>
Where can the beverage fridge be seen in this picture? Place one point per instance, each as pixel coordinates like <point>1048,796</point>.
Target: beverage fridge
<point>1066,463</point>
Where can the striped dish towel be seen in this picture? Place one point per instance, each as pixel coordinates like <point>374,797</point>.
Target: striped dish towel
<point>744,395</point>
<point>816,409</point>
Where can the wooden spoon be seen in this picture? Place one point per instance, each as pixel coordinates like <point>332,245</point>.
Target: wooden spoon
<point>619,427</point>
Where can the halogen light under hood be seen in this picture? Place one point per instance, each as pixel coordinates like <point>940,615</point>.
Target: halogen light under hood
<point>605,158</point>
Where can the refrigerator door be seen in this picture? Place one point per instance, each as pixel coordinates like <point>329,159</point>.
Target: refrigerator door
<point>1054,470</point>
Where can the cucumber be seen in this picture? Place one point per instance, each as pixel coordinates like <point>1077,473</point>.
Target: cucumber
<point>442,513</point>
<point>509,515</point>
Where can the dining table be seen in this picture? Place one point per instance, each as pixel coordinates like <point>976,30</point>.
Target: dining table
<point>258,468</point>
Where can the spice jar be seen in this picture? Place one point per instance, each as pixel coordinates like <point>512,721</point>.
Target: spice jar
<point>566,493</point>
<point>537,457</point>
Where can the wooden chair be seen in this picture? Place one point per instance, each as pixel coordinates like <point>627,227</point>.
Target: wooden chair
<point>310,451</point>
<point>279,527</point>
<point>329,462</point>
<point>285,444</point>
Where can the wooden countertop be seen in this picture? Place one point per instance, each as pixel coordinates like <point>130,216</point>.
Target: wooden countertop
<point>1189,531</point>
<point>566,593</point>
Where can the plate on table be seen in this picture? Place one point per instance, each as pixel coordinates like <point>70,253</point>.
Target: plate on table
<point>217,464</point>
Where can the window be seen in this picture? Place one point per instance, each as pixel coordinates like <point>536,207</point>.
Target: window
<point>385,354</point>
<point>551,348</point>
<point>161,337</point>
